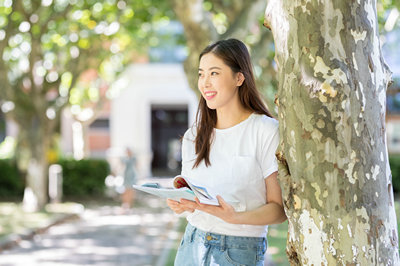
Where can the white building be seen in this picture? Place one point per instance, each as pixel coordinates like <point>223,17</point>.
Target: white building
<point>153,107</point>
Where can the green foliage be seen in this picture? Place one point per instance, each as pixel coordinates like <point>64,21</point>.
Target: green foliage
<point>394,161</point>
<point>11,182</point>
<point>7,147</point>
<point>84,177</point>
<point>384,9</point>
<point>180,230</point>
<point>277,238</point>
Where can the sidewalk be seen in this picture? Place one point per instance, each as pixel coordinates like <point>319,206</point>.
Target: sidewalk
<point>102,236</point>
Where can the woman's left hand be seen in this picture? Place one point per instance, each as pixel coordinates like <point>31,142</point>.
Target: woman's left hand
<point>224,211</point>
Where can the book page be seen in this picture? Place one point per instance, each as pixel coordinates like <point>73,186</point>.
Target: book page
<point>205,195</point>
<point>201,192</point>
<point>168,193</point>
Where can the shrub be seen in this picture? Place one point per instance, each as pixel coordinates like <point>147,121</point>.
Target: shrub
<point>84,177</point>
<point>11,182</point>
<point>394,161</point>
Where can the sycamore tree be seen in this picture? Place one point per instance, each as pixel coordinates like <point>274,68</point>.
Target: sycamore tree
<point>334,170</point>
<point>46,47</point>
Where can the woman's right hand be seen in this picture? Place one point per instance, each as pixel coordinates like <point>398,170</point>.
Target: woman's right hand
<point>177,207</point>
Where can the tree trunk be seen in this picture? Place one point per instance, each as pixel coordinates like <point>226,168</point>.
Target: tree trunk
<point>33,144</point>
<point>334,170</point>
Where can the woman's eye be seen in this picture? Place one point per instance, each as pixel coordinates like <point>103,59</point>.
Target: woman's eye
<point>214,73</point>
<point>200,74</point>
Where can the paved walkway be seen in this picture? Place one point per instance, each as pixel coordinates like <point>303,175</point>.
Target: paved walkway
<point>102,236</point>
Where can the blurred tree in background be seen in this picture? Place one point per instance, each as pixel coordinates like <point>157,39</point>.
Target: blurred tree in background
<point>47,47</point>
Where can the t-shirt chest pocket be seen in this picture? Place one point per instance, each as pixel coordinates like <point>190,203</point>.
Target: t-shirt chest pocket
<point>243,171</point>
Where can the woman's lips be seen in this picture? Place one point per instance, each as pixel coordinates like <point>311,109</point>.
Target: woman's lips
<point>210,94</point>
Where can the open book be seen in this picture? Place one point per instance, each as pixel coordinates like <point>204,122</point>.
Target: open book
<point>182,189</point>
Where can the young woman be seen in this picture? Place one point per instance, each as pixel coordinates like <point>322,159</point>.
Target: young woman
<point>231,150</point>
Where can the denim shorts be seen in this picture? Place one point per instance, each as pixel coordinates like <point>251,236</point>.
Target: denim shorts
<point>201,248</point>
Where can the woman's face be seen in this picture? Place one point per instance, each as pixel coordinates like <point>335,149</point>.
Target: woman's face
<point>217,82</point>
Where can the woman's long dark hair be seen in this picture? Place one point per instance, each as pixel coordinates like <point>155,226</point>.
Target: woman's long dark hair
<point>235,55</point>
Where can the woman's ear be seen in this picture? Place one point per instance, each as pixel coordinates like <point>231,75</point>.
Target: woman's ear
<point>240,79</point>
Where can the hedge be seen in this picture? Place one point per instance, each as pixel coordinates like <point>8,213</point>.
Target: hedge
<point>84,177</point>
<point>394,161</point>
<point>11,182</point>
<point>80,178</point>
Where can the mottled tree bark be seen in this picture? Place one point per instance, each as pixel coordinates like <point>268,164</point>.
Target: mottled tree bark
<point>334,168</point>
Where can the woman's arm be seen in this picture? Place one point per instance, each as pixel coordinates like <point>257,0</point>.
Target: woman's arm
<point>270,213</point>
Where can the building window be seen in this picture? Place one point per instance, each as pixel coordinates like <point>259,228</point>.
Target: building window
<point>101,123</point>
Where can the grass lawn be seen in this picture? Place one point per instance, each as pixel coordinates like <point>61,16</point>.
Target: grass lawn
<point>277,235</point>
<point>172,253</point>
<point>397,208</point>
<point>13,220</point>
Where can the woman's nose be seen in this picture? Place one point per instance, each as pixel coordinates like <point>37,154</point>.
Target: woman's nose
<point>207,80</point>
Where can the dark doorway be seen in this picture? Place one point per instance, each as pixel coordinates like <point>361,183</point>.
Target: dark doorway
<point>168,124</point>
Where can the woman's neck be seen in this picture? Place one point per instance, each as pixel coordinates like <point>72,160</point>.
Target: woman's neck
<point>230,118</point>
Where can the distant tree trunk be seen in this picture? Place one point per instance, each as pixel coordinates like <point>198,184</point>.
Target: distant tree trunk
<point>36,177</point>
<point>334,168</point>
<point>33,144</point>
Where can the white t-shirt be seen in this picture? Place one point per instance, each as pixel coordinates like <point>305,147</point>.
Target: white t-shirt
<point>241,158</point>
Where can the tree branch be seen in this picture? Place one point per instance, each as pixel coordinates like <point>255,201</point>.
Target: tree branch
<point>199,31</point>
<point>6,89</point>
<point>55,15</point>
<point>247,17</point>
<point>231,9</point>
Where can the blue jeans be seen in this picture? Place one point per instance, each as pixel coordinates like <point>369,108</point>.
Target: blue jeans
<point>201,248</point>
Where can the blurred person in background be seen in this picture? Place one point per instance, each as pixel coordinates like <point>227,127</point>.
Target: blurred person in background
<point>130,176</point>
